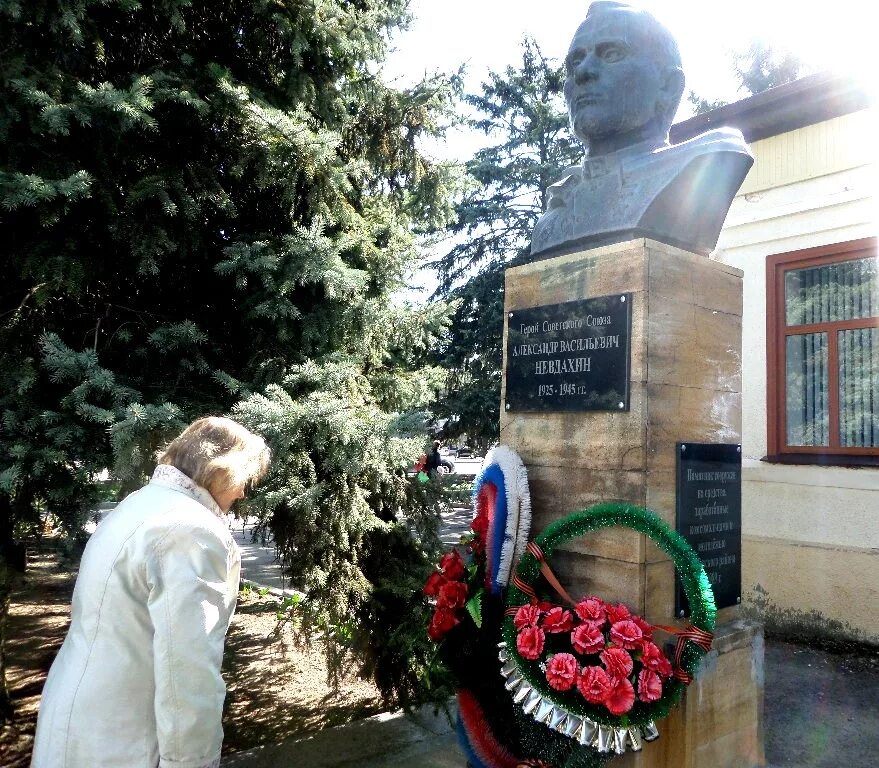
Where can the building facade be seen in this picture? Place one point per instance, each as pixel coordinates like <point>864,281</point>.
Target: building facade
<point>803,229</point>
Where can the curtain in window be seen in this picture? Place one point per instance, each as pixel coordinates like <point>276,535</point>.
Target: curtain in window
<point>807,390</point>
<point>859,388</point>
<point>846,290</point>
<point>832,293</point>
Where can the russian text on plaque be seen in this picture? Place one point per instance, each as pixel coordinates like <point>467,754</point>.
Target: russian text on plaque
<point>709,516</point>
<point>570,357</point>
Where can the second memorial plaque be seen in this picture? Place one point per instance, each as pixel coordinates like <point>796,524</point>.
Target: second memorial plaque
<point>570,357</point>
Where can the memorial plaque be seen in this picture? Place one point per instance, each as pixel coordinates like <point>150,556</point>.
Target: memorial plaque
<point>570,357</point>
<point>709,516</point>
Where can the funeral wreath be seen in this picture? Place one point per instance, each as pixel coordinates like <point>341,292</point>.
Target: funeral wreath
<point>545,679</point>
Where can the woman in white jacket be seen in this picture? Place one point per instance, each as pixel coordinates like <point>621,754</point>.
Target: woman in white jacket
<point>137,682</point>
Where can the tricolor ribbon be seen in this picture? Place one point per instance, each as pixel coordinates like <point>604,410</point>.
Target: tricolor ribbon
<point>695,635</point>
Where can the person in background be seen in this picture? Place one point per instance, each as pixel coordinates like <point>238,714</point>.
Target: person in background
<point>433,459</point>
<point>137,682</point>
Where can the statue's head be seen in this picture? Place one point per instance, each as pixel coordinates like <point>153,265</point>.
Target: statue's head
<point>624,77</point>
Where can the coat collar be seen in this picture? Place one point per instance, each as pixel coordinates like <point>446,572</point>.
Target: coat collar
<point>170,477</point>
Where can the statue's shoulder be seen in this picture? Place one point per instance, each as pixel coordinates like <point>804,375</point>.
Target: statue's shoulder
<point>557,191</point>
<point>698,180</point>
<point>726,139</point>
<point>719,147</point>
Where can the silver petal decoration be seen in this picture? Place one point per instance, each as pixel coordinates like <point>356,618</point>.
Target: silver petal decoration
<point>512,682</point>
<point>531,703</point>
<point>635,738</point>
<point>558,720</point>
<point>591,731</point>
<point>572,725</point>
<point>603,738</point>
<point>543,714</point>
<point>522,693</point>
<point>586,733</point>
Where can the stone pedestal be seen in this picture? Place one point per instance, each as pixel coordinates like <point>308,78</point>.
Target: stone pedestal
<point>685,385</point>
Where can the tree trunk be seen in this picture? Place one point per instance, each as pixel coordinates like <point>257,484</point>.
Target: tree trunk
<point>12,563</point>
<point>6,579</point>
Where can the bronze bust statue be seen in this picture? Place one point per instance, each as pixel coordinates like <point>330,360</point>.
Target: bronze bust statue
<point>624,83</point>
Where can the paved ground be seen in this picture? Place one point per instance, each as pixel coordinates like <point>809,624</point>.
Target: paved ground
<point>259,564</point>
<point>821,709</point>
<point>383,741</point>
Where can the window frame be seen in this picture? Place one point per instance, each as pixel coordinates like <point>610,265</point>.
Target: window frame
<point>776,332</point>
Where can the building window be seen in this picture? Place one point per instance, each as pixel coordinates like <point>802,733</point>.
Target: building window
<point>823,354</point>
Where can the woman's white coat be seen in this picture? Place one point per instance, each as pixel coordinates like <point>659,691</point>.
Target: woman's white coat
<point>137,682</point>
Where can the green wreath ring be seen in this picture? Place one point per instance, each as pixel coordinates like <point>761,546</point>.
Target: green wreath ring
<point>694,581</point>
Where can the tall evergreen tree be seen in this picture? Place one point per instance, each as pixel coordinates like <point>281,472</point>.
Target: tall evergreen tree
<point>761,67</point>
<point>758,68</point>
<point>522,109</point>
<point>210,203</point>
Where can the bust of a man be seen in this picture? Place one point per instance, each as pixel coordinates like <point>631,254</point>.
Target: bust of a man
<point>624,83</point>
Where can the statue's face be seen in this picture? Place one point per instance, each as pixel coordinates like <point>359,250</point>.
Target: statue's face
<point>613,85</point>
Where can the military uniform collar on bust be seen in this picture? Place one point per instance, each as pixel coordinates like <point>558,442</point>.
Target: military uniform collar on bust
<point>603,164</point>
<point>170,477</point>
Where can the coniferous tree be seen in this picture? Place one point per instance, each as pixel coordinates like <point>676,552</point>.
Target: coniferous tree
<point>758,68</point>
<point>210,203</point>
<point>523,111</point>
<point>761,67</point>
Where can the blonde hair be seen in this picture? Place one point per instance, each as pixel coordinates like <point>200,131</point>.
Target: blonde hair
<point>218,454</point>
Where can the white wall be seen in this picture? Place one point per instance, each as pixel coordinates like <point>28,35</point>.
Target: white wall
<point>812,187</point>
<point>804,214</point>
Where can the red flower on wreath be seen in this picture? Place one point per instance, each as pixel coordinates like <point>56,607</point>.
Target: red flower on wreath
<point>529,643</point>
<point>632,666</point>
<point>649,685</point>
<point>587,638</point>
<point>617,662</point>
<point>617,613</point>
<point>626,634</point>
<point>594,684</point>
<point>654,659</point>
<point>452,566</point>
<point>561,672</point>
<point>621,696</point>
<point>557,620</point>
<point>443,620</point>
<point>433,584</point>
<point>591,609</point>
<point>452,594</point>
<point>645,626</point>
<point>527,616</point>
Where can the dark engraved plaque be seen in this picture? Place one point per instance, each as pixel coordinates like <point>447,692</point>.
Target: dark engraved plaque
<point>709,516</point>
<point>570,357</point>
